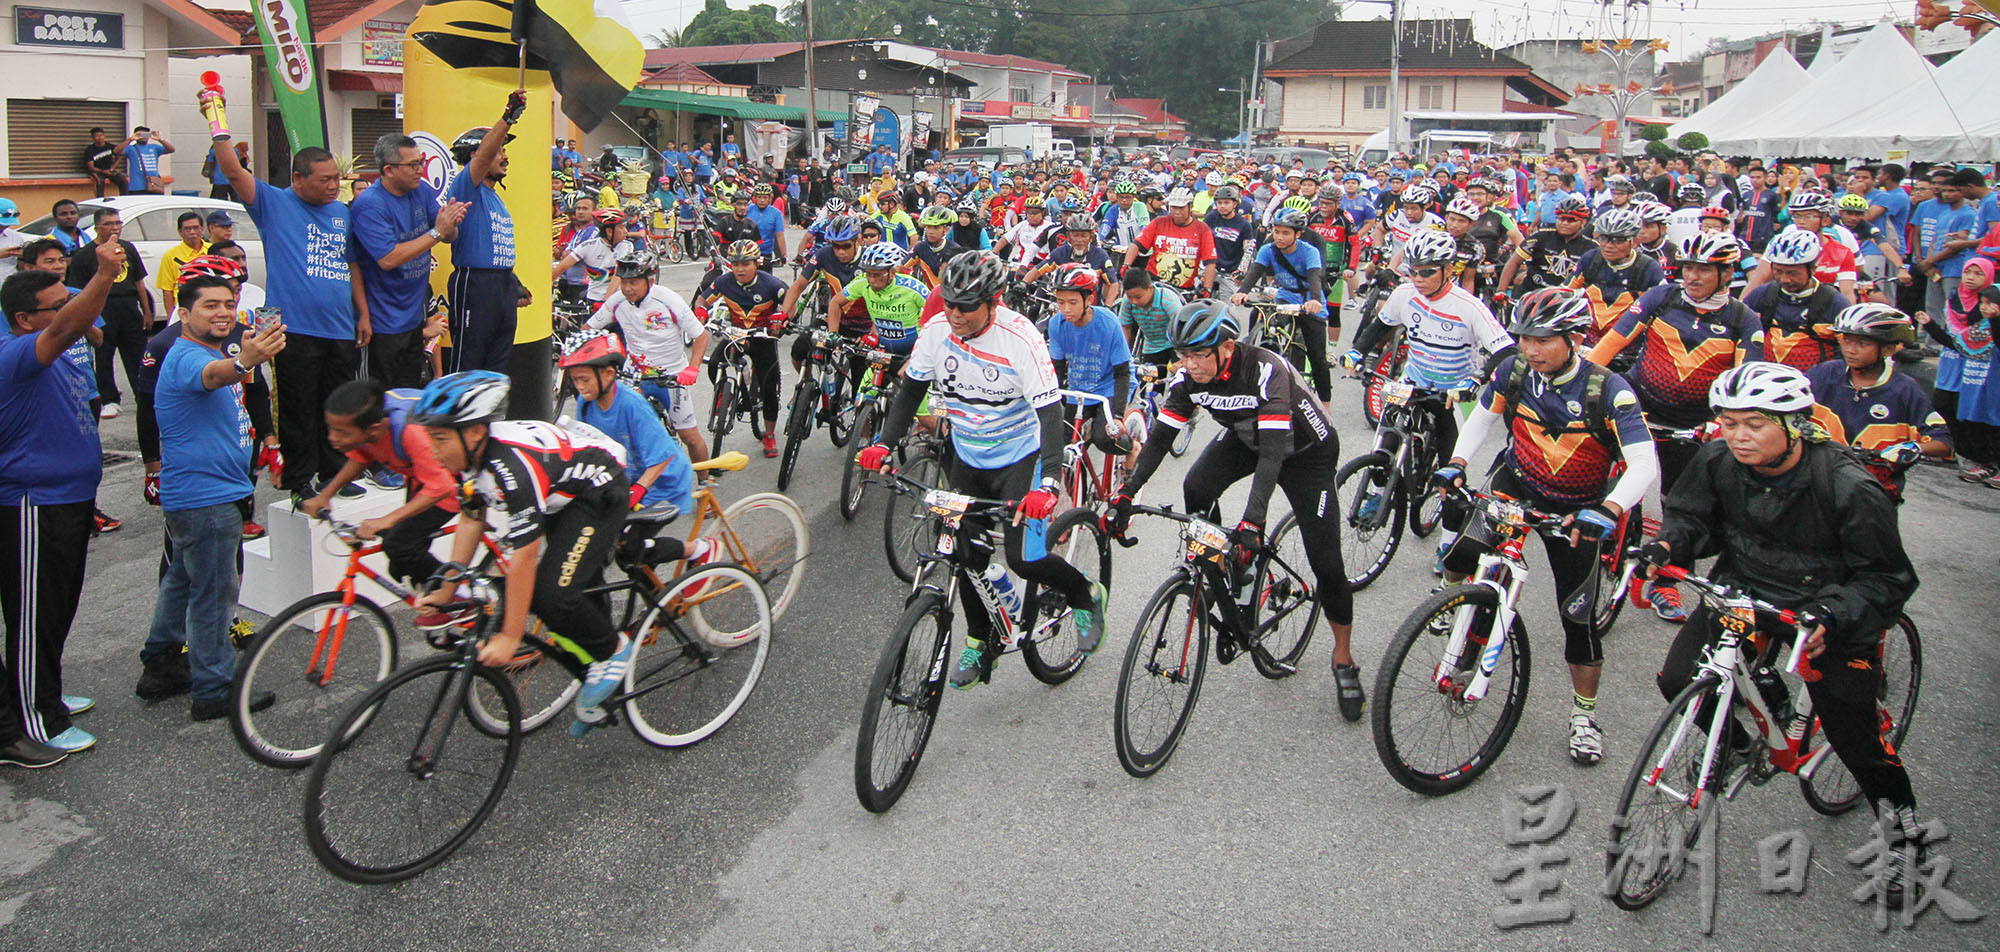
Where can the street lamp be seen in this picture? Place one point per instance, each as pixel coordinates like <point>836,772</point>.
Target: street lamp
<point>1242,107</point>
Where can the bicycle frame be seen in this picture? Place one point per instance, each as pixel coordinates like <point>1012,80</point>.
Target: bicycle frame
<point>1081,478</point>
<point>1204,551</point>
<point>333,631</point>
<point>1505,571</point>
<point>940,569</point>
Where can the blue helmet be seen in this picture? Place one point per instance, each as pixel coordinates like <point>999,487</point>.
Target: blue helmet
<point>1354,177</point>
<point>842,228</point>
<point>10,213</point>
<point>1203,323</point>
<point>461,399</point>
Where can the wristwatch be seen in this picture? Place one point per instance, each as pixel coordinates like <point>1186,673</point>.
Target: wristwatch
<point>434,235</point>
<point>241,371</point>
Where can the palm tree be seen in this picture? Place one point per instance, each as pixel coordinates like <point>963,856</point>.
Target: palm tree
<point>661,39</point>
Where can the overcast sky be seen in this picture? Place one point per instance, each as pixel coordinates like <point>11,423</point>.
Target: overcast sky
<point>1686,26</point>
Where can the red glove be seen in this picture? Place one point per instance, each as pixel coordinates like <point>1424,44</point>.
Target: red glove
<point>1039,504</point>
<point>701,314</point>
<point>688,375</point>
<point>872,458</point>
<point>639,495</point>
<point>1249,540</point>
<point>870,341</point>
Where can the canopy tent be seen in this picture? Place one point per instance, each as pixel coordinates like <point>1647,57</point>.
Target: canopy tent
<point>1949,116</point>
<point>1882,63</point>
<point>1824,60</point>
<point>1774,79</point>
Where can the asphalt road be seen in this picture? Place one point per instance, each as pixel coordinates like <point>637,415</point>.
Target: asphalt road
<point>1274,826</point>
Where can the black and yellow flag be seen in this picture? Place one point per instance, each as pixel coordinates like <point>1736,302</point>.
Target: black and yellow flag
<point>586,46</point>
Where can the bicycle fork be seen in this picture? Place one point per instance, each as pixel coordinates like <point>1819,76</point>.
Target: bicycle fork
<point>1461,629</point>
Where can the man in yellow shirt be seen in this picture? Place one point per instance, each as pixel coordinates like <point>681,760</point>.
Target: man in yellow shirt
<point>192,246</point>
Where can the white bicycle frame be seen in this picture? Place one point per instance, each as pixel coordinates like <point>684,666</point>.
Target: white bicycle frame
<point>1506,555</point>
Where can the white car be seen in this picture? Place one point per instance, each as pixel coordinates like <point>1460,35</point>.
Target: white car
<point>149,226</point>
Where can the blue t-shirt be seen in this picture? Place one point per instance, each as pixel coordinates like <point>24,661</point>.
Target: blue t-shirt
<point>204,434</point>
<point>1895,210</point>
<point>396,299</point>
<point>731,149</point>
<point>1303,258</point>
<point>770,224</point>
<point>1360,208</point>
<point>1925,218</point>
<point>879,163</point>
<point>305,262</point>
<point>486,234</point>
<point>141,160</point>
<point>1964,218</point>
<point>1089,352</point>
<point>49,452</point>
<point>703,167</point>
<point>671,162</point>
<point>632,422</point>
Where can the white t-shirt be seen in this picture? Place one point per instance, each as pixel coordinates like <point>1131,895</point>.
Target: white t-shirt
<point>1683,224</point>
<point>657,330</point>
<point>600,266</point>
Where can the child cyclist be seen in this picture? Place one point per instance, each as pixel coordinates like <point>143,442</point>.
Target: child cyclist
<point>751,297</point>
<point>1090,355</point>
<point>371,426</point>
<point>663,343</point>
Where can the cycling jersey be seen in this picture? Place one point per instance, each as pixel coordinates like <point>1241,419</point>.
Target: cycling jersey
<point>531,470</point>
<point>1334,232</point>
<point>1232,235</point>
<point>1491,228</point>
<point>657,330</point>
<point>1028,243</point>
<point>1258,397</point>
<point>1468,255</point>
<point>826,266</point>
<point>600,264</point>
<point>1446,335</point>
<point>1892,411</point>
<point>895,310</point>
<point>992,386</point>
<point>1683,224</point>
<point>1798,329</point>
<point>1179,251</point>
<point>1548,260</point>
<point>1836,256</point>
<point>1612,289</point>
<point>1289,276</point>
<point>899,228</point>
<point>751,306</point>
<point>1553,446</point>
<point>1683,350</point>
<point>1401,228</point>
<point>1149,323</point>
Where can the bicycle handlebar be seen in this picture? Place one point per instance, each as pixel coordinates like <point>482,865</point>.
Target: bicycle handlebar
<point>1801,622</point>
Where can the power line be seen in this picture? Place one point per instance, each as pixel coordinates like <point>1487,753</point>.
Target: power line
<point>1230,5</point>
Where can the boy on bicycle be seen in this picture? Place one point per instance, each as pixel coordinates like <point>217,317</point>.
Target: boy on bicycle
<point>894,301</point>
<point>1090,355</point>
<point>1864,403</point>
<point>1298,273</point>
<point>664,342</point>
<point>654,464</point>
<point>1576,444</point>
<point>751,295</point>
<point>371,426</point>
<point>600,255</point>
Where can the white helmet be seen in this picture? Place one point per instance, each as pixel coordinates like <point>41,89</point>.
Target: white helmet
<point>1180,198</point>
<point>1769,387</point>
<point>1430,246</point>
<point>1794,246</point>
<point>921,177</point>
<point>1215,179</point>
<point>1463,205</point>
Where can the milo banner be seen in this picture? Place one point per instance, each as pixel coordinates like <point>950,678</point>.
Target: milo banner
<point>861,123</point>
<point>288,51</point>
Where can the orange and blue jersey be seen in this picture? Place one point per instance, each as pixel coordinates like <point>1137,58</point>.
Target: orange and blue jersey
<point>1798,330</point>
<point>1552,444</point>
<point>1683,350</point>
<point>1892,411</point>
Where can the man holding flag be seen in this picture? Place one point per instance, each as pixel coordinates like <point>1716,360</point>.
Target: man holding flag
<point>484,303</point>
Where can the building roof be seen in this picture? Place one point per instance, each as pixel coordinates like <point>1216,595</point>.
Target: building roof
<point>682,73</point>
<point>1363,46</point>
<point>766,52</point>
<point>1004,61</point>
<point>1152,111</point>
<point>329,18</point>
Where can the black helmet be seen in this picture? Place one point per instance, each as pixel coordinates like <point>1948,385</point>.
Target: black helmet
<point>468,142</point>
<point>971,279</point>
<point>1203,323</point>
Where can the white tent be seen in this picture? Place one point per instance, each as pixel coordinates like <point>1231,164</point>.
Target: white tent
<point>1881,64</point>
<point>1774,79</point>
<point>1950,116</point>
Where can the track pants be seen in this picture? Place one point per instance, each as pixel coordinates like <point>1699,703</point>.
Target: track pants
<point>42,554</point>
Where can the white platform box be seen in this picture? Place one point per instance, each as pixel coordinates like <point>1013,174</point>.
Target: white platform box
<point>300,556</point>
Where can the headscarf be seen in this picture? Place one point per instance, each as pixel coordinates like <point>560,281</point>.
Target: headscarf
<point>1973,334</point>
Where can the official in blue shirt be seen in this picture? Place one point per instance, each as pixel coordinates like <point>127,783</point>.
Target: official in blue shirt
<point>396,223</point>
<point>483,299</point>
<point>770,225</point>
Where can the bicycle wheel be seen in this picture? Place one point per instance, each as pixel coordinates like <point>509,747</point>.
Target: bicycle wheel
<point>798,426</point>
<point>1287,608</point>
<point>1832,789</point>
<point>1607,578</point>
<point>1183,439</point>
<point>542,688</point>
<point>675,247</point>
<point>909,531</point>
<point>689,678</point>
<point>1371,526</point>
<point>398,787</point>
<point>316,656</point>
<point>853,480</point>
<point>1431,738</point>
<point>902,704</point>
<point>1665,803</point>
<point>1381,362</point>
<point>1161,677</point>
<point>840,401</point>
<point>1426,505</point>
<point>1050,650</point>
<point>771,541</point>
<point>722,413</point>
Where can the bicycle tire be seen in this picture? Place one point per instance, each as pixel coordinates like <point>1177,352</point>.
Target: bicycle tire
<point>675,247</point>
<point>1611,574</point>
<point>853,480</point>
<point>1657,855</point>
<point>1073,537</point>
<point>1161,659</point>
<point>1284,594</point>
<point>913,686</point>
<point>776,556</point>
<point>374,725</point>
<point>1425,505</point>
<point>798,426</point>
<point>693,679</point>
<point>1406,683</point>
<point>288,734</point>
<point>1832,789</point>
<point>909,531</point>
<point>840,426</point>
<point>1367,546</point>
<point>1379,361</point>
<point>722,413</point>
<point>542,687</point>
<point>1183,439</point>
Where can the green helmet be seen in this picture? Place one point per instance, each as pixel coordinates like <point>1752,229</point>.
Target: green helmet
<point>938,215</point>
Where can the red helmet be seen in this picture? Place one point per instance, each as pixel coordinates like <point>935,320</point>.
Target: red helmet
<point>610,216</point>
<point>1075,277</point>
<point>210,266</point>
<point>599,350</point>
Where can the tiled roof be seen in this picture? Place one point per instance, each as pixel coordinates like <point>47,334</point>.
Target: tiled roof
<point>1364,45</point>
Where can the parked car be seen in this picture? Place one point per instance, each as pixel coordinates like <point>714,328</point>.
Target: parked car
<point>149,226</point>
<point>988,156</point>
<point>1284,154</point>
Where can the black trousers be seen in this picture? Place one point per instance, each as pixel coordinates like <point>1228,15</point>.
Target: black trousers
<point>1028,558</point>
<point>407,544</point>
<point>125,336</point>
<point>42,553</point>
<point>483,310</point>
<point>1570,567</point>
<point>1307,480</point>
<point>576,545</point>
<point>763,373</point>
<point>306,372</point>
<point>399,360</point>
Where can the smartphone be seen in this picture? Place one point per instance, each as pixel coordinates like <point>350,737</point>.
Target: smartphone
<point>267,318</point>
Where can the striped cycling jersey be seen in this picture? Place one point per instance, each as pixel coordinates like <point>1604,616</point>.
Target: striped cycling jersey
<point>1448,335</point>
<point>991,385</point>
<point>531,470</point>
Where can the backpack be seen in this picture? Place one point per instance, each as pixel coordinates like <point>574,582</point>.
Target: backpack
<point>1596,421</point>
<point>1816,302</point>
<point>396,405</point>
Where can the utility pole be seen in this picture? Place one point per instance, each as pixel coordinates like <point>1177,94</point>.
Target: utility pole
<point>1242,118</point>
<point>812,90</point>
<point>1256,92</point>
<point>1395,76</point>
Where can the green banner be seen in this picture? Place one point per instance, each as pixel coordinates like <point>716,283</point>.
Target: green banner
<point>287,34</point>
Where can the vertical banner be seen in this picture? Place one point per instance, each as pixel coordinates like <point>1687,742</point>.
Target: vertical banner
<point>288,53</point>
<point>861,124</point>
<point>920,133</point>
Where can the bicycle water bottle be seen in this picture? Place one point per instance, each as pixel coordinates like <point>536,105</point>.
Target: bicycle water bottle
<point>1776,696</point>
<point>1003,585</point>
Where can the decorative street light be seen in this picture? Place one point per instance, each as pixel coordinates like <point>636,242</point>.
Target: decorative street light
<point>1624,34</point>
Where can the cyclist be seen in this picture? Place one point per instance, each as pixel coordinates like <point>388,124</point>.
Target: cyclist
<point>1549,257</point>
<point>1798,523</point>
<point>1690,199</point>
<point>833,265</point>
<point>1410,216</point>
<point>1080,248</point>
<point>1124,218</point>
<point>1493,226</point>
<point>663,341</point>
<point>897,225</point>
<point>1689,332</point>
<point>1614,274</point>
<point>1299,275</point>
<point>599,255</point>
<point>1235,234</point>
<point>969,229</point>
<point>1027,242</point>
<point>1091,355</point>
<point>1470,257</point>
<point>751,296</point>
<point>561,490</point>
<point>1811,211</point>
<point>992,368</point>
<point>1144,313</point>
<point>654,464</point>
<point>894,301</point>
<point>1862,402</point>
<point>1796,308</point>
<point>1332,230</point>
<point>1182,249</point>
<point>1876,255</point>
<point>937,246</point>
<point>1576,444</point>
<point>1447,329</point>
<point>1653,218</point>
<point>1278,434</point>
<point>371,426</point>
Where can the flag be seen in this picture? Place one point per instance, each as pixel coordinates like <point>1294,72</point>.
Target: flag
<point>586,47</point>
<point>286,31</point>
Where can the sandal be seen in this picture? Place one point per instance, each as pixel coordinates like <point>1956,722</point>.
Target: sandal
<point>1347,679</point>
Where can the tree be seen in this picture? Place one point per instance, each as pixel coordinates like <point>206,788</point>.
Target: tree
<point>1653,132</point>
<point>662,39</point>
<point>718,25</point>
<point>1692,142</point>
<point>1660,150</point>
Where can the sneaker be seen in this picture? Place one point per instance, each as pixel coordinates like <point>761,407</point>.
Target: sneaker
<point>152,489</point>
<point>1437,567</point>
<point>76,705</point>
<point>1371,506</point>
<point>350,491</point>
<point>253,530</point>
<point>73,740</point>
<point>110,412</point>
<point>1347,684</point>
<point>971,667</point>
<point>26,753</point>
<point>386,478</point>
<point>1973,472</point>
<point>1666,601</point>
<point>1586,742</point>
<point>770,446</point>
<point>432,620</point>
<point>216,710</point>
<point>586,719</point>
<point>1090,622</point>
<point>105,522</point>
<point>1440,624</point>
<point>165,676</point>
<point>240,633</point>
<point>601,680</point>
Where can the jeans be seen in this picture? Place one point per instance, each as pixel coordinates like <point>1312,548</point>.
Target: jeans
<point>198,596</point>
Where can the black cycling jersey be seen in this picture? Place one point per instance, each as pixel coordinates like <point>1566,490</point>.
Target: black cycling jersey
<point>532,470</point>
<point>1549,260</point>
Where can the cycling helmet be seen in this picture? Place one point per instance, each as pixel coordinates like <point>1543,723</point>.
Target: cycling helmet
<point>1794,246</point>
<point>1180,198</point>
<point>1572,206</point>
<point>1075,276</point>
<point>1645,196</point>
<point>1619,183</point>
<point>1691,192</point>
<point>835,207</point>
<point>1851,202</point>
<point>637,263</point>
<point>1035,203</point>
<point>1290,218</point>
<point>1228,193</point>
<point>595,350</point>
<point>1203,323</point>
<point>1430,246</point>
<point>461,399</point>
<point>468,143</point>
<point>1298,202</point>
<point>921,177</point>
<point>1618,223</point>
<point>1769,387</point>
<point>1717,212</point>
<point>741,250</point>
<point>1124,187</point>
<point>763,189</point>
<point>972,278</point>
<point>1214,179</point>
<point>971,206</point>
<point>1464,207</point>
<point>1709,247</point>
<point>842,228</point>
<point>937,215</point>
<point>610,216</point>
<point>1489,183</point>
<point>210,266</point>
<point>1876,322</point>
<point>1079,221</point>
<point>882,256</point>
<point>1354,177</point>
<point>1417,195</point>
<point>1807,200</point>
<point>1653,213</point>
<point>1151,192</point>
<point>889,197</point>
<point>1551,312</point>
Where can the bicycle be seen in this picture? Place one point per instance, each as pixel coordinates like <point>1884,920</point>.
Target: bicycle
<point>822,387</point>
<point>908,528</point>
<point>703,639</point>
<point>1152,395</point>
<point>1447,699</point>
<point>737,396</point>
<point>1682,779</point>
<point>1256,608</point>
<point>1385,488</point>
<point>865,415</point>
<point>909,680</point>
<point>1085,483</point>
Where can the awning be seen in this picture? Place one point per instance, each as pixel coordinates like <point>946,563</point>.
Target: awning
<point>673,100</point>
<point>364,81</point>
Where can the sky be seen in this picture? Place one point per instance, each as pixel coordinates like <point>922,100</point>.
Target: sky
<point>1687,27</point>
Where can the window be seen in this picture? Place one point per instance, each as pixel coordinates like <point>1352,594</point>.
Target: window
<point>1375,97</point>
<point>45,137</point>
<point>1020,94</point>
<point>367,125</point>
<point>1430,96</point>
